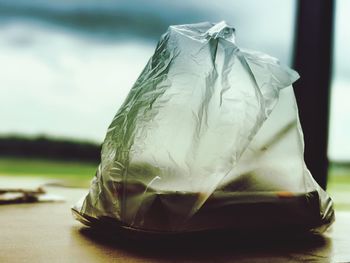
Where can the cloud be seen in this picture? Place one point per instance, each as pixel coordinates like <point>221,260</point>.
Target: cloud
<point>66,86</point>
<point>342,41</point>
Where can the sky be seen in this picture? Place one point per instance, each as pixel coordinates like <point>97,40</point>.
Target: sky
<point>339,126</point>
<point>65,71</point>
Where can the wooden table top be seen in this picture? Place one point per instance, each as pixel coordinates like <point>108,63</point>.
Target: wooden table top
<point>47,232</point>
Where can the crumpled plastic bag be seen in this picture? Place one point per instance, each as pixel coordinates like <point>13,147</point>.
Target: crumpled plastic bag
<point>208,138</point>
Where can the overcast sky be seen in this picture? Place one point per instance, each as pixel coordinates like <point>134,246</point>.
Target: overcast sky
<point>65,71</point>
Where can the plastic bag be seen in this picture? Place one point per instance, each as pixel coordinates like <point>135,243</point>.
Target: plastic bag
<point>208,138</point>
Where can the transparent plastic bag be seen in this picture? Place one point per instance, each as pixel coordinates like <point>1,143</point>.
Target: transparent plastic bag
<point>208,138</point>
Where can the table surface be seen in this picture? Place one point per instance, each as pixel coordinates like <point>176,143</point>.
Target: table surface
<point>47,232</point>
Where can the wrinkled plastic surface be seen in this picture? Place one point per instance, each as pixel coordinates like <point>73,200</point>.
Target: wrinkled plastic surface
<point>208,137</point>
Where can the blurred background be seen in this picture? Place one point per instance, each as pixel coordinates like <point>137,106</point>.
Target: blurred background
<point>67,65</point>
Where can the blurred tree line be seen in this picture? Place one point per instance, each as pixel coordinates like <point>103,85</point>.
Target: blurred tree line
<point>49,148</point>
<point>68,150</point>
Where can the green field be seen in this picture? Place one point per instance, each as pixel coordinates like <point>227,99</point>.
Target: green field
<point>339,186</point>
<point>73,174</point>
<point>79,174</point>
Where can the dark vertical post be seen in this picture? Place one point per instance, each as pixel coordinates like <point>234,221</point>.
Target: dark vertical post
<point>313,49</point>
